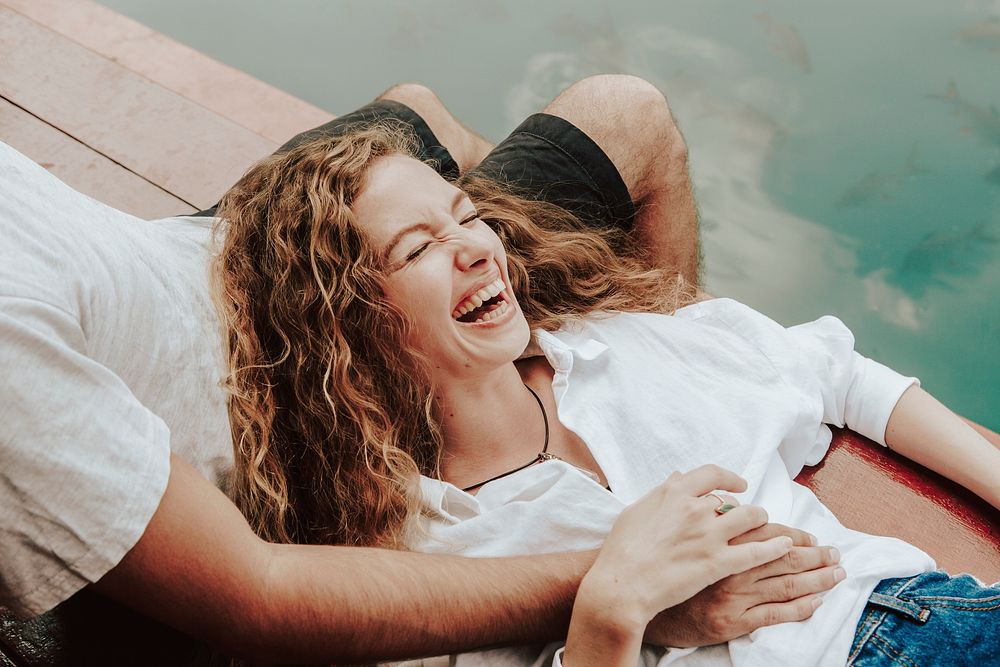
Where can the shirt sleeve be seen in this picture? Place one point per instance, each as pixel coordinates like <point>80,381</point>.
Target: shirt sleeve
<point>855,391</point>
<point>83,464</point>
<point>827,381</point>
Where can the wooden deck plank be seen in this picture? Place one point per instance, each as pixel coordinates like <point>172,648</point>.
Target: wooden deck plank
<point>188,150</point>
<point>84,169</point>
<point>875,490</point>
<point>257,106</point>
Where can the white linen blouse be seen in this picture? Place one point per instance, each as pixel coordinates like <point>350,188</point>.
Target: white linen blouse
<point>716,382</point>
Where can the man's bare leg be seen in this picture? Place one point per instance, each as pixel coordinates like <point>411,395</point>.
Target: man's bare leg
<point>466,147</point>
<point>631,122</point>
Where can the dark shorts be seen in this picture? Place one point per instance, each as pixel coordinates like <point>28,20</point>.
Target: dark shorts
<point>545,157</point>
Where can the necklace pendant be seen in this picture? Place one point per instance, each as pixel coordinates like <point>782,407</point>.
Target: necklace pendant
<point>545,456</point>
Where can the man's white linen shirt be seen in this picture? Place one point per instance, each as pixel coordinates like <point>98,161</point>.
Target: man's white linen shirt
<point>111,357</point>
<point>649,394</point>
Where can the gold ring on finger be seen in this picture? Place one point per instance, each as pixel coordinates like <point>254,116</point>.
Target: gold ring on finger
<point>723,507</point>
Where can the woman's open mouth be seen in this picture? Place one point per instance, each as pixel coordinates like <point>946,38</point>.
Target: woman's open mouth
<point>487,304</point>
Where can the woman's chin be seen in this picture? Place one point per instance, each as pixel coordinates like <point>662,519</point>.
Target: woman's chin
<point>487,346</point>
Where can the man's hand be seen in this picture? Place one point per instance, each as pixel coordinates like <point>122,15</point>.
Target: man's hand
<point>778,592</point>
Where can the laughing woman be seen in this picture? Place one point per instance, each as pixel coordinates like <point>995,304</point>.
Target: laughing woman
<point>378,319</point>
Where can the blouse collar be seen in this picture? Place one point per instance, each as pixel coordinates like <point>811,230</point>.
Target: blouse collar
<point>560,349</point>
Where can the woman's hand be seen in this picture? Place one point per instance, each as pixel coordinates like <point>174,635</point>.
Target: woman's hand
<point>662,550</point>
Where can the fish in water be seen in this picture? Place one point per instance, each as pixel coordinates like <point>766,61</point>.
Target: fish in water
<point>786,41</point>
<point>879,186</point>
<point>985,121</point>
<point>950,253</point>
<point>982,33</point>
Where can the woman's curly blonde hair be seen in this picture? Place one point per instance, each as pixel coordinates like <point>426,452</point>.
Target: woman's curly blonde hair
<point>331,414</point>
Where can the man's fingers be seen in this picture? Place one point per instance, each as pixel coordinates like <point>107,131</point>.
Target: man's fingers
<point>780,612</point>
<point>800,538</point>
<point>708,478</point>
<point>799,559</point>
<point>793,586</point>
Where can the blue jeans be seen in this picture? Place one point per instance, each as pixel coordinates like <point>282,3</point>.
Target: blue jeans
<point>930,619</point>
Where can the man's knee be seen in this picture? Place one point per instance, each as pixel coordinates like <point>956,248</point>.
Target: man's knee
<point>417,96</point>
<point>630,120</point>
<point>638,105</point>
<point>466,148</point>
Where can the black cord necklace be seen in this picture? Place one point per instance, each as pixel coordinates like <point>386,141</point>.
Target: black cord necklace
<point>542,455</point>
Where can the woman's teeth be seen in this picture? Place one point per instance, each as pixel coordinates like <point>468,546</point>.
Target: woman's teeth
<point>479,298</point>
<point>495,313</point>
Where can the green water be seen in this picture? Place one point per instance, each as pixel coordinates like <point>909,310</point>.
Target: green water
<point>846,155</point>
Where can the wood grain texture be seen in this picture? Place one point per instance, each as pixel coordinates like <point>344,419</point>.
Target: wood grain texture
<point>235,95</point>
<point>193,153</point>
<point>875,490</point>
<point>84,169</point>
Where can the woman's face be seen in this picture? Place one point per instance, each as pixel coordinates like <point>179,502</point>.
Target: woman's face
<point>446,269</point>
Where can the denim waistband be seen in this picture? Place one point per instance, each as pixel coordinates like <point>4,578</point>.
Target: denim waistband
<point>887,594</point>
<point>929,619</point>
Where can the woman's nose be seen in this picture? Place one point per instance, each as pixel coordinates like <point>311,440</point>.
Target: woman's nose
<point>473,253</point>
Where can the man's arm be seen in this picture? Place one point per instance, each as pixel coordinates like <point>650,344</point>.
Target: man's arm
<point>200,568</point>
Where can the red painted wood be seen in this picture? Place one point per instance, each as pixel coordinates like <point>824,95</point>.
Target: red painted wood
<point>875,490</point>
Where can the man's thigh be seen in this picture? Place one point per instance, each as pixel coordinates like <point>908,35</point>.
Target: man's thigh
<point>429,148</point>
<point>548,158</point>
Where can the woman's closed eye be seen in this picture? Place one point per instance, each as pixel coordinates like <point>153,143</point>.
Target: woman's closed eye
<point>416,252</point>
